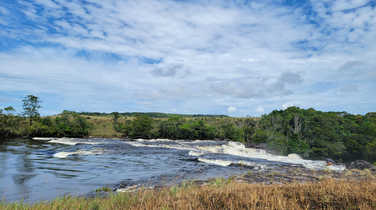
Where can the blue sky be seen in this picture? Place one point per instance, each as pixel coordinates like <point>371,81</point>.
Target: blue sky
<point>215,57</point>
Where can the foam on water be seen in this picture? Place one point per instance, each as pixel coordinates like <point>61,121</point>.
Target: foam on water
<point>62,154</point>
<point>161,143</point>
<point>193,153</point>
<point>79,152</point>
<point>294,156</point>
<point>199,148</point>
<point>229,163</point>
<point>235,149</point>
<point>215,162</point>
<point>43,138</point>
<point>66,141</point>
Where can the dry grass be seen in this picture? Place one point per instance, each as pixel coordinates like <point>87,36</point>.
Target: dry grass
<point>327,194</point>
<point>102,126</point>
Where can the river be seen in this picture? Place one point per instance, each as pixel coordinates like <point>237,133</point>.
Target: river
<point>44,168</point>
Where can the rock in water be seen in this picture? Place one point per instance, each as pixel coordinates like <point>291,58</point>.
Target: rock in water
<point>361,165</point>
<point>330,162</point>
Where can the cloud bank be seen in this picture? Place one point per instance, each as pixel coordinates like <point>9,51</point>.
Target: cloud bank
<point>189,56</point>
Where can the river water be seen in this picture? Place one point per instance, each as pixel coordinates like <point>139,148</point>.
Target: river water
<point>44,168</point>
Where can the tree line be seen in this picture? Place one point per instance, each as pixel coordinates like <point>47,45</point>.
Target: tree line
<point>315,134</point>
<point>310,133</point>
<point>180,128</point>
<point>30,124</point>
<point>149,114</point>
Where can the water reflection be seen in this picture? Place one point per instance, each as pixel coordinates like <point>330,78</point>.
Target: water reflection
<point>3,157</point>
<point>30,170</point>
<point>24,173</point>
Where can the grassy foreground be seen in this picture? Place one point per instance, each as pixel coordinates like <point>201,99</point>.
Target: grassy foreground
<point>326,194</point>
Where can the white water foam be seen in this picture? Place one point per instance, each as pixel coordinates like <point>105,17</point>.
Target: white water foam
<point>178,145</point>
<point>215,162</point>
<point>79,152</point>
<point>131,188</point>
<point>228,163</point>
<point>193,153</point>
<point>236,149</point>
<point>66,141</point>
<point>294,156</point>
<point>43,138</point>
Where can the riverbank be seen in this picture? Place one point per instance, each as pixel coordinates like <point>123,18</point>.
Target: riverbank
<point>129,171</point>
<point>279,175</point>
<point>312,134</point>
<point>229,194</point>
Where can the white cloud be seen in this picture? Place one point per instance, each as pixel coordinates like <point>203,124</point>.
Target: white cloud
<point>340,5</point>
<point>260,109</point>
<point>3,11</point>
<point>287,105</point>
<point>211,54</point>
<point>231,109</point>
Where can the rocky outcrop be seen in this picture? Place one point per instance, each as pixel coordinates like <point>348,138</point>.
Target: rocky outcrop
<point>361,165</point>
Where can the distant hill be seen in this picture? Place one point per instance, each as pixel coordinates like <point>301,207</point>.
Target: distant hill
<point>150,114</point>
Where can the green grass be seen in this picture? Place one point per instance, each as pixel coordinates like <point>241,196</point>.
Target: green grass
<point>103,189</point>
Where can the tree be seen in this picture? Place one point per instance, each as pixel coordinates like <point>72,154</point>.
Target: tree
<point>170,128</point>
<point>31,105</point>
<point>232,132</point>
<point>248,127</point>
<point>115,121</point>
<point>9,109</point>
<point>140,127</point>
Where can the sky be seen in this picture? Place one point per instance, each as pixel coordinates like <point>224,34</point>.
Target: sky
<point>233,57</point>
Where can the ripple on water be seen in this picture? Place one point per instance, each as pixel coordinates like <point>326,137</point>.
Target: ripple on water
<point>48,167</point>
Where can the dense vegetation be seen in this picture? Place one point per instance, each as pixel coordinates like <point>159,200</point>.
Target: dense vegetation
<point>224,194</point>
<point>66,124</point>
<point>310,133</point>
<point>316,134</point>
<point>181,128</point>
<point>148,114</point>
<point>29,123</point>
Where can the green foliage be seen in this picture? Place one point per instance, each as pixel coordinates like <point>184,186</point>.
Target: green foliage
<point>232,132</point>
<point>9,124</point>
<point>115,121</point>
<point>152,115</point>
<point>279,143</point>
<point>371,150</point>
<point>197,129</point>
<point>31,106</point>
<point>259,136</point>
<point>171,128</point>
<point>103,189</point>
<point>141,127</point>
<point>9,110</point>
<point>315,134</point>
<point>180,128</point>
<point>310,133</point>
<point>68,124</point>
<point>248,128</point>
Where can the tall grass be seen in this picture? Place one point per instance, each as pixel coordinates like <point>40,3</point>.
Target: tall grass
<point>327,194</point>
<point>102,126</point>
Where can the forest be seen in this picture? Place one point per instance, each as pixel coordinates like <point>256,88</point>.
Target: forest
<point>310,133</point>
